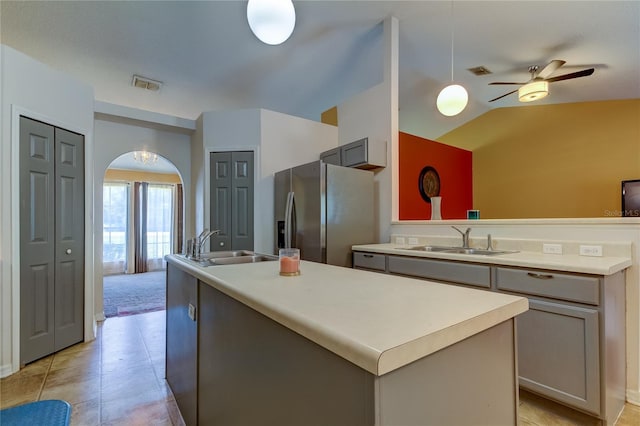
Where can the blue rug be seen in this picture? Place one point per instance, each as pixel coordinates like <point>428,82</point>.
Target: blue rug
<point>131,294</point>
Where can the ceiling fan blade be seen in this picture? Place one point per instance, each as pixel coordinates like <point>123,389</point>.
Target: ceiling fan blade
<point>506,94</point>
<point>550,68</point>
<point>582,73</point>
<point>505,82</point>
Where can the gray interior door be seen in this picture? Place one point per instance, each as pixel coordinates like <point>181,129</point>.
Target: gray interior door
<point>51,239</point>
<point>69,248</point>
<point>231,198</point>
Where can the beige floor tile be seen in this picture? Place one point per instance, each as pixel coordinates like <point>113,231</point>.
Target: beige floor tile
<point>630,416</point>
<point>19,389</point>
<point>86,360</point>
<point>72,391</point>
<point>86,413</point>
<point>133,413</point>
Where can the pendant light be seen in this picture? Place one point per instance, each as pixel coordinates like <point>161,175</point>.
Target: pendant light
<point>453,98</point>
<point>272,21</point>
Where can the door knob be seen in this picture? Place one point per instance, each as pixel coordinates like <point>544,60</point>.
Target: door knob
<point>68,251</point>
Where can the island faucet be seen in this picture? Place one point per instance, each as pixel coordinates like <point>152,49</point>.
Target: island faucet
<point>465,236</point>
<point>195,245</point>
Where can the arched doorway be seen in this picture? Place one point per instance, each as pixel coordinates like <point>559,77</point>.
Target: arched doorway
<point>143,207</point>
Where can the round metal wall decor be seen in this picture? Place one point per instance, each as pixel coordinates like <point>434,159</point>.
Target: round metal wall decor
<point>429,183</point>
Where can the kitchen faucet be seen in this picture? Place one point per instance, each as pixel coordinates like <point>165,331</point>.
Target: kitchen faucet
<point>465,236</point>
<point>195,245</point>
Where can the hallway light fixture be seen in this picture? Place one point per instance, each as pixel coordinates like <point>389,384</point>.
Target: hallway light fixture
<point>272,21</point>
<point>453,98</point>
<point>145,157</point>
<point>533,91</point>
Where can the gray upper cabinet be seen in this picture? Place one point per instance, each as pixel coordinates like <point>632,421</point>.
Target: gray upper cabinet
<point>360,154</point>
<point>332,157</point>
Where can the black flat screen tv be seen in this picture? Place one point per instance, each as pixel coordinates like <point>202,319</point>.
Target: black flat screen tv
<point>631,198</point>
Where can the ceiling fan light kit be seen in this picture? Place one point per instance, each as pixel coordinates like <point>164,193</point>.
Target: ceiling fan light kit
<point>533,91</point>
<point>272,21</point>
<point>452,100</point>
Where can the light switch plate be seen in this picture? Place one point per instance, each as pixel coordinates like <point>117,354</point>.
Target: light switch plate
<point>413,241</point>
<point>192,312</point>
<point>400,240</point>
<point>552,248</point>
<point>591,251</point>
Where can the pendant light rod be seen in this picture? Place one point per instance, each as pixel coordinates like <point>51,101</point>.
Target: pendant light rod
<point>452,37</point>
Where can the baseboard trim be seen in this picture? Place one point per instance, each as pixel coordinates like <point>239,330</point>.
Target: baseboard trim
<point>633,396</point>
<point>5,370</point>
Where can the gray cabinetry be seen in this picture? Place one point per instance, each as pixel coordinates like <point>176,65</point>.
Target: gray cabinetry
<point>360,154</point>
<point>571,342</point>
<point>332,156</point>
<point>558,353</point>
<point>441,270</point>
<point>182,341</point>
<point>375,262</point>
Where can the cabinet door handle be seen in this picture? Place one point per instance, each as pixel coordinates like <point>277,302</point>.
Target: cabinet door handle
<point>540,276</point>
<point>368,255</point>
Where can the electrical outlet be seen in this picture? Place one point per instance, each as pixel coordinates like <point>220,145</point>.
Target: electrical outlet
<point>400,240</point>
<point>413,241</point>
<point>552,248</point>
<point>591,251</point>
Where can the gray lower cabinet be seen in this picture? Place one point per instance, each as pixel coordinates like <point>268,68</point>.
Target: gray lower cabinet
<point>182,341</point>
<point>571,341</point>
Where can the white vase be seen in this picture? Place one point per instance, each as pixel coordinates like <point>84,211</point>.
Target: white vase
<point>435,208</point>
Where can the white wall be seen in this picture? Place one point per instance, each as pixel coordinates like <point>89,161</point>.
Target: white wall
<point>33,89</point>
<point>374,114</point>
<point>595,230</point>
<point>116,135</point>
<point>278,141</point>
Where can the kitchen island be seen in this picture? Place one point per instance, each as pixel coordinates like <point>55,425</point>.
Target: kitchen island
<point>337,346</point>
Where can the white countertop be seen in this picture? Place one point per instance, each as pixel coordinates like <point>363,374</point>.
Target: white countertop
<point>556,262</point>
<point>377,321</point>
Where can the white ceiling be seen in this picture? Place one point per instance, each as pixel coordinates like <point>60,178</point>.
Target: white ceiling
<point>208,59</point>
<point>127,162</point>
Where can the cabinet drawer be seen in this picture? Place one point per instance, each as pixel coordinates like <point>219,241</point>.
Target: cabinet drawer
<point>377,262</point>
<point>576,288</point>
<point>455,272</point>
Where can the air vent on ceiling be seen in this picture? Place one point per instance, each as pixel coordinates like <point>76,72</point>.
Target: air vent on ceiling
<point>146,83</point>
<point>479,70</point>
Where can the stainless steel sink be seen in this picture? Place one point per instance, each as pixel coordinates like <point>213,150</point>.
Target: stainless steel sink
<point>232,257</point>
<point>228,253</point>
<point>238,259</point>
<point>460,250</point>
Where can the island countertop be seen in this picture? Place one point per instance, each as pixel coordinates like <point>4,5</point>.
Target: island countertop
<point>379,322</point>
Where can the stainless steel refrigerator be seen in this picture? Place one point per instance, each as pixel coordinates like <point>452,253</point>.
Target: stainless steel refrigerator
<point>323,210</point>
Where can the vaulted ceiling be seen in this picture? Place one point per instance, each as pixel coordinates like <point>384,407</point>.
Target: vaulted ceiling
<point>208,59</point>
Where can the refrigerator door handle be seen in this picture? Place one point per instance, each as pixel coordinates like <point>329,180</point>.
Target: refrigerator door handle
<point>287,220</point>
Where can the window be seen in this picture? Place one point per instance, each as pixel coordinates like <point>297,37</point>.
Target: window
<point>115,206</point>
<point>159,224</point>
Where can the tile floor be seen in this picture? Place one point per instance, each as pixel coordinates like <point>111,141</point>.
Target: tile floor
<point>118,379</point>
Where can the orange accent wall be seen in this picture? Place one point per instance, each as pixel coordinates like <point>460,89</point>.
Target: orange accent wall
<point>454,166</point>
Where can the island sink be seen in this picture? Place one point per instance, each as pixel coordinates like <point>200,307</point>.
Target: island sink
<point>231,257</point>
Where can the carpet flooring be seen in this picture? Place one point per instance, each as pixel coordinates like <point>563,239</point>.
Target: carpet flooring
<point>131,294</point>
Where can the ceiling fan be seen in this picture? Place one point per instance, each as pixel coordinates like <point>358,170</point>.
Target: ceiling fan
<point>538,86</point>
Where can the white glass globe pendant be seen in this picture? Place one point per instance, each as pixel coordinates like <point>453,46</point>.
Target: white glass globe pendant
<point>272,21</point>
<point>452,100</point>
